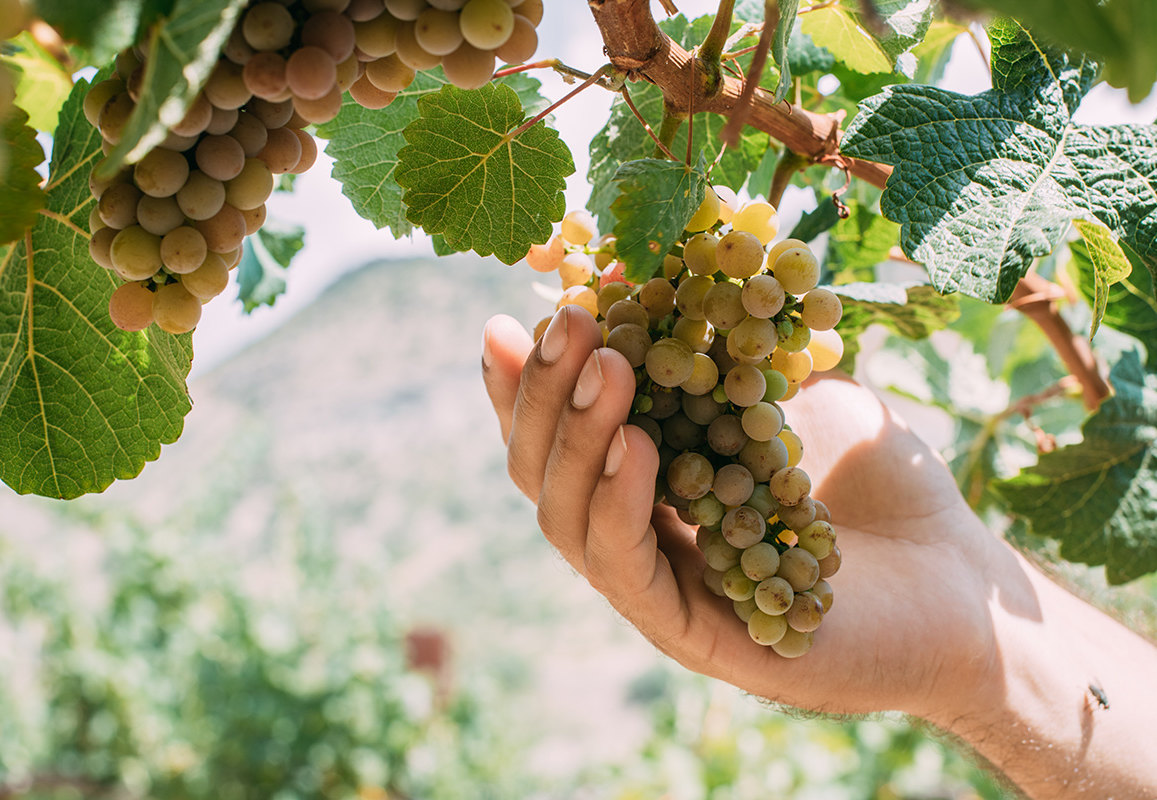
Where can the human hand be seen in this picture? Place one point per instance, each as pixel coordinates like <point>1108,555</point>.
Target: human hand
<point>910,624</point>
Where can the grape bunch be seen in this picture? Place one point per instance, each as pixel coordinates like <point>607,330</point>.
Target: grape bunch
<point>172,225</point>
<point>729,332</point>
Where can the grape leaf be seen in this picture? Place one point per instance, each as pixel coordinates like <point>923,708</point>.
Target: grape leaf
<point>823,218</point>
<point>857,244</point>
<point>102,28</point>
<point>984,184</point>
<point>1130,306</point>
<point>780,47</point>
<point>837,28</point>
<point>44,84</point>
<point>1108,262</point>
<point>20,194</point>
<point>267,256</point>
<point>933,53</point>
<point>1099,497</point>
<point>656,200</point>
<point>466,178</point>
<point>805,56</point>
<point>364,145</point>
<point>182,51</point>
<point>912,310</point>
<point>81,402</point>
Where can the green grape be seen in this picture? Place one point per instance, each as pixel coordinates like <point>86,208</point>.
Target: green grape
<point>264,76</point>
<point>130,307</point>
<point>793,445</point>
<point>547,257</point>
<point>332,32</point>
<point>251,187</point>
<point>700,409</point>
<point>251,133</point>
<point>744,608</point>
<point>780,248</point>
<point>522,44</point>
<point>725,435</point>
<point>743,526</point>
<point>175,310</point>
<point>658,297</point>
<point>759,218</point>
<point>830,564</point>
<point>706,510</point>
<point>690,475</point>
<point>795,366</point>
<point>135,253</point>
<point>698,334</point>
<point>681,433</point>
<point>222,120</point>
<point>766,629</point>
<point>648,425</point>
<point>487,24</point>
<point>224,231</point>
<point>348,72</point>
<point>739,255</point>
<point>308,152</point>
<point>220,157</point>
<point>713,580</point>
<point>364,10</point>
<point>797,340</point>
<point>699,254</point>
<point>311,72</point>
<point>98,96</point>
<point>254,219</point>
<point>669,362</point>
<point>794,643</point>
<point>201,197</point>
<point>776,385</point>
<point>773,595</point>
<point>719,554</point>
<point>632,341</point>
<point>763,296</point>
<point>823,590</point>
<point>268,26</point>
<point>411,52</point>
<point>161,173</point>
<point>281,153</point>
<point>736,585</point>
<point>744,385</point>
<point>762,459</point>
<point>790,485</point>
<point>733,484</point>
<point>818,538</point>
<point>822,512</point>
<point>762,500</point>
<point>752,340</point>
<point>704,375</point>
<point>578,226</point>
<point>438,32</point>
<point>100,246</point>
<point>377,37</point>
<point>582,296</point>
<point>723,305</point>
<point>797,269</point>
<point>762,422</point>
<point>405,9</point>
<point>821,310</point>
<point>117,206</point>
<point>208,280</point>
<point>226,88</point>
<point>799,516</point>
<point>627,311</point>
<point>115,116</point>
<point>690,294</point>
<point>532,10</point>
<point>799,568</point>
<point>760,561</point>
<point>664,402</point>
<point>707,214</point>
<point>576,269</point>
<point>159,215</point>
<point>469,67</point>
<point>321,110</point>
<point>826,349</point>
<point>183,250</point>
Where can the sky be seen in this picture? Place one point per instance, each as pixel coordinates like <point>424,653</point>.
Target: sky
<point>337,240</point>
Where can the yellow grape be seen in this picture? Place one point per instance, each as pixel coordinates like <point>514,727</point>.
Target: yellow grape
<point>486,24</point>
<point>175,310</point>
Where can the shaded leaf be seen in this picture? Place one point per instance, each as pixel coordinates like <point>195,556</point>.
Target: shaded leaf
<point>1099,497</point>
<point>912,310</point>
<point>466,178</point>
<point>656,200</point>
<point>81,402</point>
<point>267,256</point>
<point>780,47</point>
<point>823,218</point>
<point>1130,306</point>
<point>102,28</point>
<point>20,194</point>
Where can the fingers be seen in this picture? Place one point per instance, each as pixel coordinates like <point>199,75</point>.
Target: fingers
<point>505,348</point>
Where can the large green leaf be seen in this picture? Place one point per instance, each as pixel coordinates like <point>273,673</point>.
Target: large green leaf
<point>20,193</point>
<point>81,402</point>
<point>1108,262</point>
<point>103,27</point>
<point>1130,306</point>
<point>44,83</point>
<point>984,184</point>
<point>182,51</point>
<point>912,310</point>
<point>364,145</point>
<point>858,243</point>
<point>1099,497</point>
<point>838,29</point>
<point>468,179</point>
<point>656,200</point>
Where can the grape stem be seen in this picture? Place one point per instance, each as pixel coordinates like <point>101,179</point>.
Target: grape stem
<point>567,72</point>
<point>635,44</point>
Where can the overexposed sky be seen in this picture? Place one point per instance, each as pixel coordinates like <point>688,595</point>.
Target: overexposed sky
<point>337,240</point>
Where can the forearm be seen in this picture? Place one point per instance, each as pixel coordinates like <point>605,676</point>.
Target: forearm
<point>1038,721</point>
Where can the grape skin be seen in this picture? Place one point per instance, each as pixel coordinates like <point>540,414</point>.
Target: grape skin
<point>130,306</point>
<point>487,24</point>
<point>175,310</point>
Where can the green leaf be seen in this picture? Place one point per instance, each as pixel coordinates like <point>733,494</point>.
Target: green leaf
<point>20,194</point>
<point>1130,306</point>
<point>181,54</point>
<point>805,56</point>
<point>44,84</point>
<point>1099,497</point>
<point>904,24</point>
<point>267,256</point>
<point>933,53</point>
<point>838,29</point>
<point>984,184</point>
<point>81,402</point>
<point>780,47</point>
<point>656,200</point>
<point>466,178</point>
<point>364,145</point>
<point>912,310</point>
<point>1108,262</point>
<point>857,244</point>
<point>102,28</point>
<point>813,223</point>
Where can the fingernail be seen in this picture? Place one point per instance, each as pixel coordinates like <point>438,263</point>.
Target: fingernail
<point>617,453</point>
<point>554,340</point>
<point>590,383</point>
<point>487,353</point>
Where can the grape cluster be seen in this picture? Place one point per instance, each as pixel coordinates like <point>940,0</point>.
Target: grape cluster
<point>729,331</point>
<point>172,225</point>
